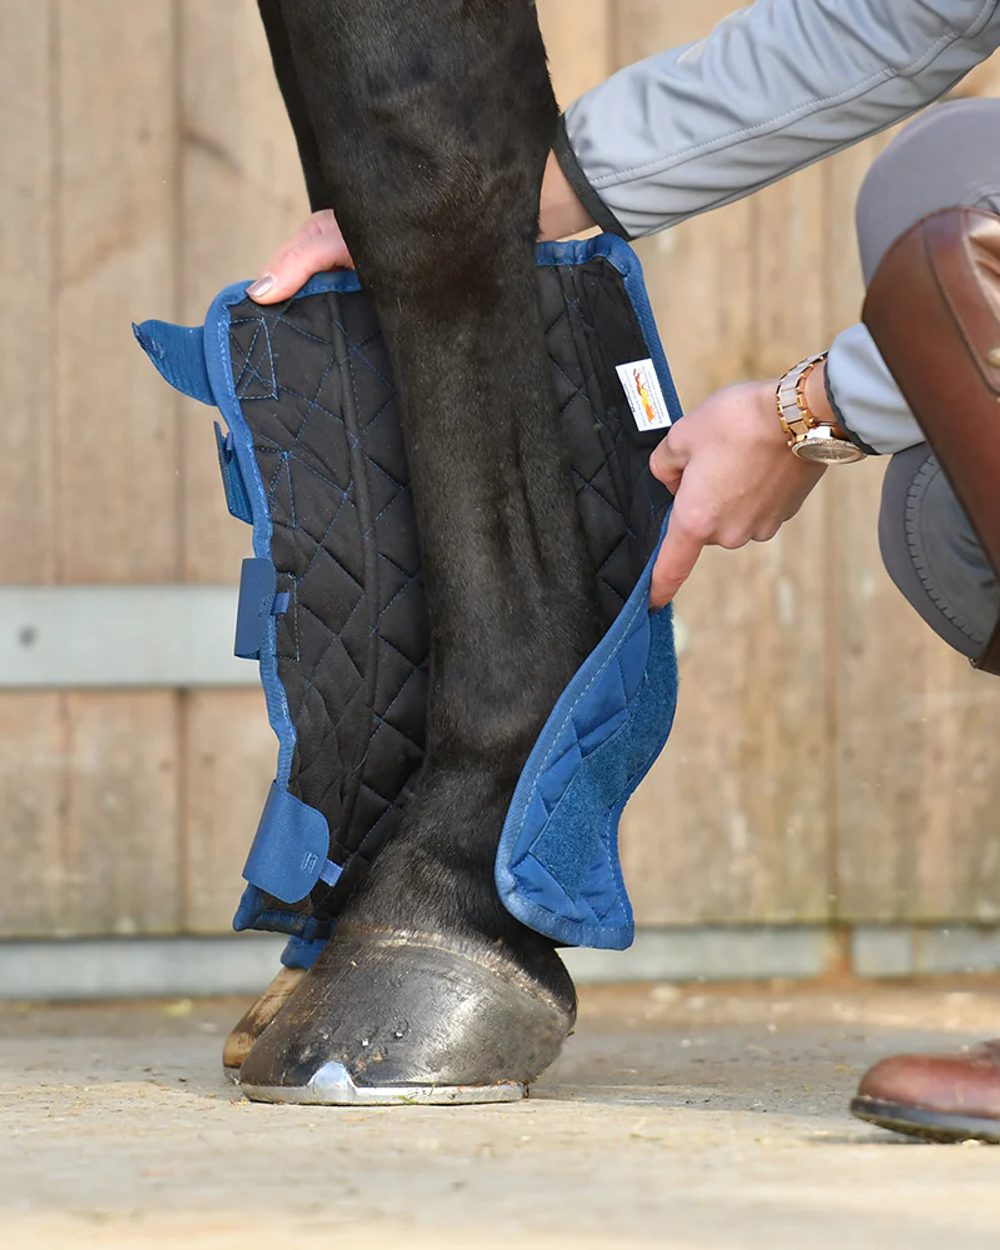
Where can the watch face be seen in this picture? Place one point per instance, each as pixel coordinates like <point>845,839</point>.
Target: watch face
<point>820,448</point>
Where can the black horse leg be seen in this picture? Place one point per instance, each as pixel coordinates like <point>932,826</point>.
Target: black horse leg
<point>433,119</point>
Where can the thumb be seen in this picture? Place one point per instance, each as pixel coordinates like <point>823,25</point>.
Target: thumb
<point>315,247</point>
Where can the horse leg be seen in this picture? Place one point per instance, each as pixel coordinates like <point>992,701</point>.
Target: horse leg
<point>433,120</point>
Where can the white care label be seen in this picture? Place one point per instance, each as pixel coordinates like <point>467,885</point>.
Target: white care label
<point>645,397</point>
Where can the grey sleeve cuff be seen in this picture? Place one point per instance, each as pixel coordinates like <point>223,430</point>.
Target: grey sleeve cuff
<point>865,397</point>
<point>842,418</point>
<point>577,179</point>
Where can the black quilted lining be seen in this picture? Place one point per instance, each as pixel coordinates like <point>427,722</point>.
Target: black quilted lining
<point>590,328</point>
<point>315,387</point>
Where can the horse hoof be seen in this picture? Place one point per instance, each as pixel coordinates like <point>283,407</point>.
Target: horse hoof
<point>388,1017</point>
<point>256,1019</point>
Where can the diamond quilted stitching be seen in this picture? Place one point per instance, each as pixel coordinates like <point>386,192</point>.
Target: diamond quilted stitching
<point>254,376</point>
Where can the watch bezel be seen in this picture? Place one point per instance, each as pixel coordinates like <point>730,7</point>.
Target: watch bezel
<point>820,445</point>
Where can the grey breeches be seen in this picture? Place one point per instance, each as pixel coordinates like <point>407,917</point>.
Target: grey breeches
<point>949,156</point>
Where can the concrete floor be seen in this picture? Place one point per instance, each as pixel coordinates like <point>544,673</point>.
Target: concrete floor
<point>695,1117</point>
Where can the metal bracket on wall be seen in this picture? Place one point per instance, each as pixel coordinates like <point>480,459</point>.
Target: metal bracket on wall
<point>174,636</point>
<point>65,637</point>
<point>95,968</point>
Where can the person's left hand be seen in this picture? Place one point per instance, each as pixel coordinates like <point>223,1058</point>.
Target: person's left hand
<point>317,245</point>
<point>733,476</point>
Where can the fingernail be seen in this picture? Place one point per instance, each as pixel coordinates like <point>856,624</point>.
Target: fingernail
<point>261,286</point>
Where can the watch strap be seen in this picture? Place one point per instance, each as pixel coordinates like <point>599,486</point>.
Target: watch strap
<point>794,413</point>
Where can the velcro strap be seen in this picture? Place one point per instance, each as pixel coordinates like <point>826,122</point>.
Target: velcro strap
<point>178,352</point>
<point>237,496</point>
<point>258,602</point>
<point>290,850</point>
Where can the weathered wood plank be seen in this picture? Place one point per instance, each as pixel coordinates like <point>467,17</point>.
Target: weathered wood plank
<point>115,443</point>
<point>31,761</point>
<point>730,825</point>
<point>33,780</point>
<point>89,814</point>
<point>578,40</point>
<point>26,272</point>
<point>115,191</point>
<point>120,836</point>
<point>229,763</point>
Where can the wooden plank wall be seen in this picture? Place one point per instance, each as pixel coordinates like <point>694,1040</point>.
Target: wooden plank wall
<point>831,761</point>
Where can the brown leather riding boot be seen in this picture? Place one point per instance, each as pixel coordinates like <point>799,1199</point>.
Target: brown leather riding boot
<point>953,1097</point>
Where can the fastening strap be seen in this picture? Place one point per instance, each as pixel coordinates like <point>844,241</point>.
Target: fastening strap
<point>258,602</point>
<point>178,352</point>
<point>290,850</point>
<point>237,495</point>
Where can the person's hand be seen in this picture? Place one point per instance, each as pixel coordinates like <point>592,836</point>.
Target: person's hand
<point>315,247</point>
<point>733,477</point>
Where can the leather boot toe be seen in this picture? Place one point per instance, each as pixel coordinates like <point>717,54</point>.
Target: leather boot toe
<point>944,1097</point>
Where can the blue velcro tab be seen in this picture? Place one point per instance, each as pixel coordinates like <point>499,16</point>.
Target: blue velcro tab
<point>557,866</point>
<point>257,603</point>
<point>178,352</point>
<point>289,852</point>
<point>237,497</point>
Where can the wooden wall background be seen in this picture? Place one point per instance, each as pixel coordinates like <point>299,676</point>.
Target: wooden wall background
<point>831,760</point>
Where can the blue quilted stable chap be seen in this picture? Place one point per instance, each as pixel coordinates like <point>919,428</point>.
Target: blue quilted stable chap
<point>332,604</point>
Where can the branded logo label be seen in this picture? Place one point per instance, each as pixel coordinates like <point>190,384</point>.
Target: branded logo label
<point>644,394</point>
<point>309,861</point>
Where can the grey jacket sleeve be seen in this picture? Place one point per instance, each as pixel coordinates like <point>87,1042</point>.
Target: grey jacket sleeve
<point>774,87</point>
<point>865,397</point>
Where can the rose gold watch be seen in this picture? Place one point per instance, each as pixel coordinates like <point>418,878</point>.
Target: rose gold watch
<point>820,442</point>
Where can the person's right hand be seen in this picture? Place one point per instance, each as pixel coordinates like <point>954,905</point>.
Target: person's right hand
<point>733,478</point>
<point>315,247</point>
